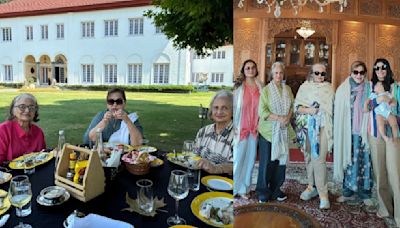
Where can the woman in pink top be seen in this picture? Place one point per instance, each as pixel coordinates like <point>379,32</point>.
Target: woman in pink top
<point>18,135</point>
<point>245,123</point>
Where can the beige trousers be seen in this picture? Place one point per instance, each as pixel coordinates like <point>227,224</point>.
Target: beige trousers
<point>316,167</point>
<point>386,166</point>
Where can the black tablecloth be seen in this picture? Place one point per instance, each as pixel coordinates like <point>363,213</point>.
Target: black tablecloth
<point>110,203</point>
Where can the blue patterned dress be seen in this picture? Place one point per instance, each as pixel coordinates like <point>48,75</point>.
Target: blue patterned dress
<point>358,175</point>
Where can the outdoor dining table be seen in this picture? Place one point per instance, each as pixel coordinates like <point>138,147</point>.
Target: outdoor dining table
<point>110,203</point>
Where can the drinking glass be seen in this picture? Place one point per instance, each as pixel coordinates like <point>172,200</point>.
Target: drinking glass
<point>29,164</point>
<point>20,197</point>
<point>194,179</point>
<point>178,189</point>
<point>188,147</point>
<point>145,195</point>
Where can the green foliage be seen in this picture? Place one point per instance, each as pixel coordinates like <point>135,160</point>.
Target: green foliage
<point>134,88</point>
<point>201,25</point>
<point>12,85</point>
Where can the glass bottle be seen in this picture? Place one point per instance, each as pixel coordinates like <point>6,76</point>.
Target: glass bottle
<point>99,145</point>
<point>61,142</point>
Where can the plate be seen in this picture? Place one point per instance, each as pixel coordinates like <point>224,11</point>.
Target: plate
<point>182,226</point>
<point>217,199</point>
<point>5,177</point>
<point>6,202</point>
<point>187,161</point>
<point>218,183</point>
<point>40,158</point>
<point>147,149</point>
<point>52,196</point>
<point>156,162</point>
<point>112,145</point>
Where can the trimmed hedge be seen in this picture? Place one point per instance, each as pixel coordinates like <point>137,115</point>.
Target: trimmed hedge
<point>12,85</point>
<point>134,88</point>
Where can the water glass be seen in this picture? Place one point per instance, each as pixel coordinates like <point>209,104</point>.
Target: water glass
<point>194,179</point>
<point>20,197</point>
<point>188,147</point>
<point>178,188</point>
<point>145,196</point>
<point>29,164</point>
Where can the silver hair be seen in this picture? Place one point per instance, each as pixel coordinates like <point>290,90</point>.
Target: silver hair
<point>275,65</point>
<point>23,96</point>
<point>221,94</point>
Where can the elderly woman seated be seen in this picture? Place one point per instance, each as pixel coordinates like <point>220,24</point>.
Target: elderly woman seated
<point>115,123</point>
<point>18,135</point>
<point>214,142</point>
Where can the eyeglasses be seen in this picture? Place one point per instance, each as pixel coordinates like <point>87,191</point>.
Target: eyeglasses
<point>383,67</point>
<point>323,74</point>
<point>23,107</point>
<point>119,101</point>
<point>356,72</point>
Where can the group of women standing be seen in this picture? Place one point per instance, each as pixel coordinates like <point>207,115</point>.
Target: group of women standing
<point>350,126</point>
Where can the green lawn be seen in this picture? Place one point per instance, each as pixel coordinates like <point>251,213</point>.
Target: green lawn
<point>168,119</point>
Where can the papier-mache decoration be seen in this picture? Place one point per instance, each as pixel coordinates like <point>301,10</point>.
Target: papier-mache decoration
<point>134,206</point>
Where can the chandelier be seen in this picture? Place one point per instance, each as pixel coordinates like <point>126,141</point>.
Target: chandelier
<point>305,30</point>
<point>296,4</point>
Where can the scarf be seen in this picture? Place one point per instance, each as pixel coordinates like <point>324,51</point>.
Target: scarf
<point>342,133</point>
<point>314,126</point>
<point>280,105</point>
<point>323,94</point>
<point>122,135</point>
<point>358,106</point>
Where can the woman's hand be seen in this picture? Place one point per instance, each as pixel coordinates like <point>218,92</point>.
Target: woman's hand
<point>208,166</point>
<point>107,117</point>
<point>313,111</point>
<point>120,114</point>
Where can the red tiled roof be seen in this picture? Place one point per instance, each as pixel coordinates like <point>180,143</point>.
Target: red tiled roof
<point>17,8</point>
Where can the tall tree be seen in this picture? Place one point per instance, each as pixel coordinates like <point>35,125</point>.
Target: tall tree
<point>199,24</point>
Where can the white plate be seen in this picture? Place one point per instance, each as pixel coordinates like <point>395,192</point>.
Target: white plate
<point>219,184</point>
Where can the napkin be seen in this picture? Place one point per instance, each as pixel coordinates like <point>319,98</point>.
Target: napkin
<point>134,206</point>
<point>4,219</point>
<point>98,221</point>
<point>115,159</point>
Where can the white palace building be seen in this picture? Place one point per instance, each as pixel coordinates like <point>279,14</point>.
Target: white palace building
<point>93,42</point>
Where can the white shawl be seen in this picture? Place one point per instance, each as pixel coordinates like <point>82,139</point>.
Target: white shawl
<point>122,135</point>
<point>342,137</point>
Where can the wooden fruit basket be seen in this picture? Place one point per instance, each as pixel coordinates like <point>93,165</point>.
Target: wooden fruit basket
<point>93,183</point>
<point>138,169</point>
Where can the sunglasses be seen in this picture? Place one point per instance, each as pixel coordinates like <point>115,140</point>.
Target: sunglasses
<point>119,101</point>
<point>323,74</point>
<point>383,67</point>
<point>356,72</point>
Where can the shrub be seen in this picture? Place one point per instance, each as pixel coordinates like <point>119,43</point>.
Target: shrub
<point>12,85</point>
<point>134,88</point>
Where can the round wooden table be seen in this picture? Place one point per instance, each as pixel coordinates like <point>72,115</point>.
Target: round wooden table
<point>271,215</point>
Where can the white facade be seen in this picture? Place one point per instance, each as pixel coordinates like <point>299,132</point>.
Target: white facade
<point>60,48</point>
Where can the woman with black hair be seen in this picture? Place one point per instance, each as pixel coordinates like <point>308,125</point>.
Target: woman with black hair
<point>385,154</point>
<point>245,122</point>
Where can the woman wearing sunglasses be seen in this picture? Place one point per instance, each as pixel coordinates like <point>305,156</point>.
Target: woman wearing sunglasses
<point>116,124</point>
<point>18,135</point>
<point>385,154</point>
<point>313,109</point>
<point>352,162</point>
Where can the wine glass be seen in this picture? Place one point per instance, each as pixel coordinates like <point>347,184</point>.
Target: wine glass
<point>188,147</point>
<point>20,197</point>
<point>178,188</point>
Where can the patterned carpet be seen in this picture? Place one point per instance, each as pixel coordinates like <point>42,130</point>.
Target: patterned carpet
<point>352,214</point>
